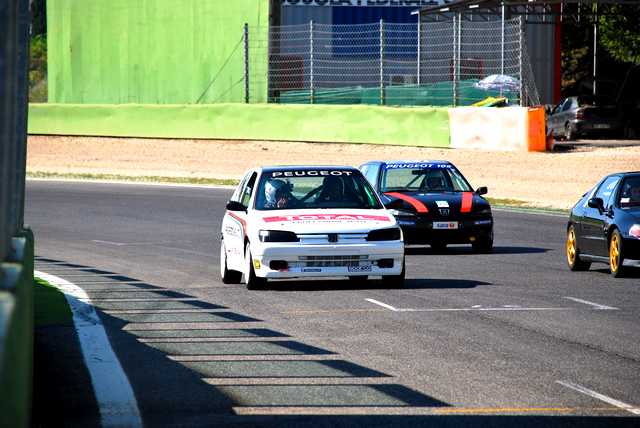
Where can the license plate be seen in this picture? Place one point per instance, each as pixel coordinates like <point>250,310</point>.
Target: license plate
<point>601,126</point>
<point>445,225</point>
<point>364,268</point>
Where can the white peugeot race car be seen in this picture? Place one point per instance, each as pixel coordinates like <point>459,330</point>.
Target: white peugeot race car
<point>291,222</point>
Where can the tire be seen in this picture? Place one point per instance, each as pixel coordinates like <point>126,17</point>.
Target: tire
<point>250,279</point>
<point>228,276</point>
<point>483,245</point>
<point>569,133</point>
<point>395,281</point>
<point>616,255</point>
<point>439,247</point>
<point>573,253</point>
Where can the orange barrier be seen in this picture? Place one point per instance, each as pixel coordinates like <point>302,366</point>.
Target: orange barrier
<point>537,139</point>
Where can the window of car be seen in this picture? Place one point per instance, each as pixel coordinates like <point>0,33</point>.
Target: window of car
<point>629,193</point>
<point>248,190</point>
<point>237,194</point>
<point>567,104</point>
<point>423,177</point>
<point>606,191</point>
<point>371,173</point>
<point>310,189</point>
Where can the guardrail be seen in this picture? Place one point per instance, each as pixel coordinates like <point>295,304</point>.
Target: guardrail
<point>16,244</point>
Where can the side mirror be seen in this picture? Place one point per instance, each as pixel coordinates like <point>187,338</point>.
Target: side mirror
<point>482,191</point>
<point>597,203</point>
<point>235,206</point>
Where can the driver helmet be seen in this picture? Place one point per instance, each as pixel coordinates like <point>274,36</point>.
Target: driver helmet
<point>273,189</point>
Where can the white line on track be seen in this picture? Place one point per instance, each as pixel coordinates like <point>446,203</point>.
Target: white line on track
<point>114,395</point>
<point>384,305</point>
<point>628,407</point>
<point>595,305</point>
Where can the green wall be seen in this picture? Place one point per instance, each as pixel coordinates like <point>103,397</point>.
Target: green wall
<point>418,126</point>
<point>153,51</point>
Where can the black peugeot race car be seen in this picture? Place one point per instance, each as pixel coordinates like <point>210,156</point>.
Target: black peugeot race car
<point>433,203</point>
<point>604,226</point>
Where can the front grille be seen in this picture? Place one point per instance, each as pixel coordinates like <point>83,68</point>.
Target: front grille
<point>331,261</point>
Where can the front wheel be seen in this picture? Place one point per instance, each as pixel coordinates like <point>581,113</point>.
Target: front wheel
<point>249,278</point>
<point>616,255</point>
<point>395,281</point>
<point>573,254</point>
<point>228,276</point>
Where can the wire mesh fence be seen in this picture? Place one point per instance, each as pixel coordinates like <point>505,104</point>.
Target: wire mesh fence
<point>446,63</point>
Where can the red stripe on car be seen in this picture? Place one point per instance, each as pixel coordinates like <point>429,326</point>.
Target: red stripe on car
<point>419,206</point>
<point>467,202</point>
<point>241,220</point>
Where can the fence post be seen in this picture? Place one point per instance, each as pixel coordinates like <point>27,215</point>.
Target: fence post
<point>246,63</point>
<point>520,59</point>
<point>502,48</point>
<point>312,88</point>
<point>458,73</point>
<point>382,95</point>
<point>419,62</point>
<point>455,61</point>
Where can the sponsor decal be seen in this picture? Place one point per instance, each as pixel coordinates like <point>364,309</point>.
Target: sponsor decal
<point>418,165</point>
<point>314,173</point>
<point>311,270</point>
<point>352,3</point>
<point>415,203</point>
<point>442,204</point>
<point>326,217</point>
<point>240,220</point>
<point>467,202</point>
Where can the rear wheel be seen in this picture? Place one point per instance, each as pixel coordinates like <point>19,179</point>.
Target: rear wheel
<point>228,276</point>
<point>483,244</point>
<point>395,281</point>
<point>250,279</point>
<point>616,255</point>
<point>569,133</point>
<point>573,253</point>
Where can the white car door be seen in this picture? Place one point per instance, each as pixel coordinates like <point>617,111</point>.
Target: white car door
<point>234,224</point>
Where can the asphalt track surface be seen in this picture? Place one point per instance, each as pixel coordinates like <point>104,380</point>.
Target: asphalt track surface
<point>511,338</point>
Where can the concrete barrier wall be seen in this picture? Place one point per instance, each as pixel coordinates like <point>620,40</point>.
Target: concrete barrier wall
<point>420,126</point>
<point>508,129</point>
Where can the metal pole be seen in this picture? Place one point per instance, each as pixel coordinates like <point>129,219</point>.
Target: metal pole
<point>455,61</point>
<point>382,97</point>
<point>312,95</point>
<point>459,50</point>
<point>502,48</point>
<point>246,63</point>
<point>520,59</point>
<point>595,48</point>
<point>419,61</point>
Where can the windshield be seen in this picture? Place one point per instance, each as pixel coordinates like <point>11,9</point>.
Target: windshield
<point>308,189</point>
<point>630,193</point>
<point>423,177</point>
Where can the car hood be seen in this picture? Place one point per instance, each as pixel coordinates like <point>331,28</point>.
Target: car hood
<point>326,220</point>
<point>424,203</point>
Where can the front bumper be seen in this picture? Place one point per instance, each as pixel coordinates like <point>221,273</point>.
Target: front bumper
<point>328,260</point>
<point>421,231</point>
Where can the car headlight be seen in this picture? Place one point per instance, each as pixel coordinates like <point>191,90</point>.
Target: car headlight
<point>277,236</point>
<point>400,213</point>
<point>391,234</point>
<point>635,231</point>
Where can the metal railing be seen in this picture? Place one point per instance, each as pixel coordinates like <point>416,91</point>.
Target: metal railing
<point>445,63</point>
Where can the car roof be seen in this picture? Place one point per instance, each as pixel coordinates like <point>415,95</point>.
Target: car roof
<point>420,161</point>
<point>271,168</point>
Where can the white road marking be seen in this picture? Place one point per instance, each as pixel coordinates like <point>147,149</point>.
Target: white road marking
<point>117,244</point>
<point>629,408</point>
<point>384,305</point>
<point>531,211</point>
<point>133,183</point>
<point>114,395</point>
<point>595,305</point>
<point>481,309</point>
<point>476,306</point>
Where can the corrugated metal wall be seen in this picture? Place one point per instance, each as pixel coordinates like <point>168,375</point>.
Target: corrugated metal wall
<point>297,15</point>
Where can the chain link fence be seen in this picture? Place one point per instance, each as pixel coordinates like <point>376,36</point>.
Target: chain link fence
<point>447,63</point>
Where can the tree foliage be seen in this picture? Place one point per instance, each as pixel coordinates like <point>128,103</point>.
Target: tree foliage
<point>620,33</point>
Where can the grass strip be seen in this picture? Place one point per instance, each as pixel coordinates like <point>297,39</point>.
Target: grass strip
<point>134,179</point>
<point>50,305</point>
